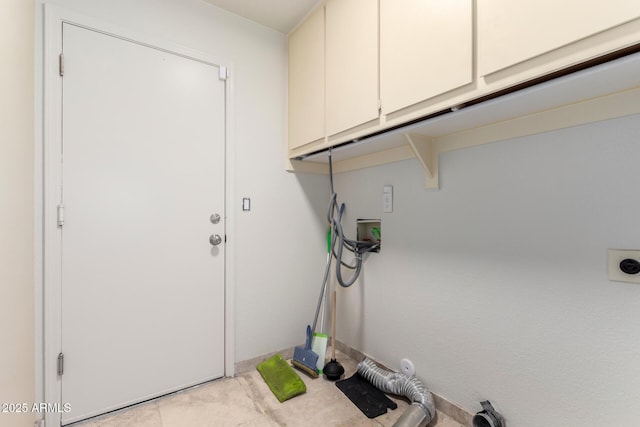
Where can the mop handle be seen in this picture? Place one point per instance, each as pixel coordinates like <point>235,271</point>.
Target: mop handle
<point>324,280</point>
<point>322,291</point>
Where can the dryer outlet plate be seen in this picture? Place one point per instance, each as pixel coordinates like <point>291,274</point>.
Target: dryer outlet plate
<point>626,257</point>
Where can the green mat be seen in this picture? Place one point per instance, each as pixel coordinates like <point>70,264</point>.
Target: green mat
<point>281,378</point>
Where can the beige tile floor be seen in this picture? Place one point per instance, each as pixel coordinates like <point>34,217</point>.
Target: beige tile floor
<point>247,401</point>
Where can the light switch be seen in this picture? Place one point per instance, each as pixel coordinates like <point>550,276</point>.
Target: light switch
<point>387,199</point>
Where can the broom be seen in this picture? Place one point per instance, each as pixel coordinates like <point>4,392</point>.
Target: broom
<point>304,358</point>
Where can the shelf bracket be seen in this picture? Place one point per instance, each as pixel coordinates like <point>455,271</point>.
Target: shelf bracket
<point>426,152</point>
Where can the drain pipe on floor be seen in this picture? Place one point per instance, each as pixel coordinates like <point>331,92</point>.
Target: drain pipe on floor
<point>422,408</point>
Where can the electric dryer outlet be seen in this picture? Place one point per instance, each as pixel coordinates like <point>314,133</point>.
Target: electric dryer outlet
<point>624,265</point>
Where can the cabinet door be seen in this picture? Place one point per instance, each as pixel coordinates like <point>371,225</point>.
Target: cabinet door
<point>426,49</point>
<point>306,82</point>
<point>510,31</point>
<point>352,63</point>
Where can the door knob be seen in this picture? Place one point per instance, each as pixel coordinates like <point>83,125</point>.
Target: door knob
<point>214,218</point>
<point>215,239</point>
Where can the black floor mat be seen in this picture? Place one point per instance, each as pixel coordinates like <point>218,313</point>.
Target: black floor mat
<point>371,401</point>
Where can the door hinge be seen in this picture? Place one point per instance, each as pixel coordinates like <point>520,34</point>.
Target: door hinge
<point>61,64</point>
<point>60,364</point>
<point>60,215</point>
<point>223,73</point>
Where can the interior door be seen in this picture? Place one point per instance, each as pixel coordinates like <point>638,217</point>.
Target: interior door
<point>143,172</point>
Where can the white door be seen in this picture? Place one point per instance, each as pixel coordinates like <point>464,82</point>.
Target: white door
<point>143,171</point>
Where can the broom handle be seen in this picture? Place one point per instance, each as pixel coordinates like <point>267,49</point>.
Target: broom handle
<point>333,324</point>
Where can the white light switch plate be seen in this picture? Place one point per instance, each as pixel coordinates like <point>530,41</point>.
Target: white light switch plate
<point>615,257</point>
<point>387,199</point>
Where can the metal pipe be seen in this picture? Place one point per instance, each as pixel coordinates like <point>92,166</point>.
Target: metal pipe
<point>422,408</point>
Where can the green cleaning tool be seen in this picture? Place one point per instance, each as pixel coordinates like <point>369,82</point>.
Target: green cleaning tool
<point>321,341</point>
<point>319,346</point>
<point>281,379</point>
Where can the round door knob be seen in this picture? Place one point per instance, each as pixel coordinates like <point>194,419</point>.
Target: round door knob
<point>215,239</point>
<point>214,218</point>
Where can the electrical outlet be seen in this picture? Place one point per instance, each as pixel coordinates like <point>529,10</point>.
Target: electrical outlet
<point>624,265</point>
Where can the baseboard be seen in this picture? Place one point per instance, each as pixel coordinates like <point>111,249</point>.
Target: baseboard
<point>443,405</point>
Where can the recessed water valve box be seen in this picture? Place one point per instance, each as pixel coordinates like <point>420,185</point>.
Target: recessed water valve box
<point>370,230</point>
<point>624,265</point>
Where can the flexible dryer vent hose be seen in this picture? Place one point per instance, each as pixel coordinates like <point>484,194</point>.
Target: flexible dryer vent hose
<point>422,408</point>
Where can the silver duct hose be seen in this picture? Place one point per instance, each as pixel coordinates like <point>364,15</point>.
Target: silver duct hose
<point>422,408</point>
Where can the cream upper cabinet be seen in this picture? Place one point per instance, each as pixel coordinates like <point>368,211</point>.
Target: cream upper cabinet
<point>426,49</point>
<point>352,92</point>
<point>360,67</point>
<point>511,32</point>
<point>306,82</point>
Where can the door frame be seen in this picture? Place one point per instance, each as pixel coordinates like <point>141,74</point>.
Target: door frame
<point>48,242</point>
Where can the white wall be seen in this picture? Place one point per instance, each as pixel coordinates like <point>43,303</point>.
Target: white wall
<point>16,209</point>
<point>496,286</point>
<point>274,297</point>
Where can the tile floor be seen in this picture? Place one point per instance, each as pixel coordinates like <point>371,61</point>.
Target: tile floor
<point>247,401</point>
